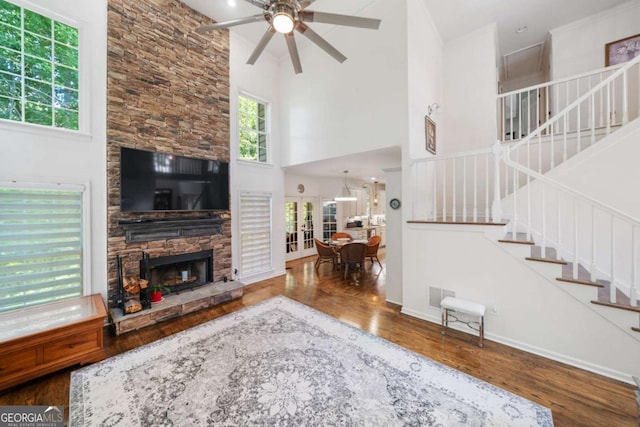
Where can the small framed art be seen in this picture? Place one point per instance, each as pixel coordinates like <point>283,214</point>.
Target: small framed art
<point>430,132</point>
<point>623,50</point>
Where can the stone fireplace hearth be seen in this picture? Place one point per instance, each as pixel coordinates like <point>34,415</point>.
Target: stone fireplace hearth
<point>176,305</point>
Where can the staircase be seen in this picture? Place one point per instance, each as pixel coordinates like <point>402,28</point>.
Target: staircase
<point>588,248</point>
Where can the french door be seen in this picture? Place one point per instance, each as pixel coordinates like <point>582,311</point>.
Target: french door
<point>300,227</point>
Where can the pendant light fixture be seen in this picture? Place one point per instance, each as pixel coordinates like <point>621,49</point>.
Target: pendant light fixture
<point>375,193</point>
<point>345,193</point>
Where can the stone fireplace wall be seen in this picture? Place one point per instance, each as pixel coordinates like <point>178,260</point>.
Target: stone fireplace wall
<point>168,91</point>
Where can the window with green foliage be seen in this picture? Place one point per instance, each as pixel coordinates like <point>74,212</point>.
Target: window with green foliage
<point>41,245</point>
<point>39,80</point>
<point>252,119</point>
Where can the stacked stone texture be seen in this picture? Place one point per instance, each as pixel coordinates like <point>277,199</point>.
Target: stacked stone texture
<point>167,91</point>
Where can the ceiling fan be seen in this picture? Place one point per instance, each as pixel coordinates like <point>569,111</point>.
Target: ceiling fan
<point>285,16</point>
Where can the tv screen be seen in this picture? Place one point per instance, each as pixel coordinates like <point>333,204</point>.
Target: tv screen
<point>151,181</point>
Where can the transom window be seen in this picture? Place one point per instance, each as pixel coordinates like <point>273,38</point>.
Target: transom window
<point>41,245</point>
<point>252,126</point>
<point>39,80</point>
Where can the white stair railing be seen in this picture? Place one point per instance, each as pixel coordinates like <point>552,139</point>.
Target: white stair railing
<point>461,187</point>
<point>469,186</point>
<point>523,110</point>
<point>609,104</point>
<point>584,231</point>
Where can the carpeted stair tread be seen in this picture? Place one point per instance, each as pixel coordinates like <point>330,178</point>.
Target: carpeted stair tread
<point>622,301</point>
<point>550,255</point>
<point>584,277</point>
<point>520,238</point>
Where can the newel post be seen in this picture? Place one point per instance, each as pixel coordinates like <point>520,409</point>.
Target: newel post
<point>496,207</point>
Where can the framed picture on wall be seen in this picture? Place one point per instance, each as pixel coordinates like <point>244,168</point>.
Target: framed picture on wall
<point>623,50</point>
<point>430,132</point>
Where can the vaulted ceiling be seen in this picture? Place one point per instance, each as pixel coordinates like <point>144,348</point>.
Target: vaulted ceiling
<point>521,50</point>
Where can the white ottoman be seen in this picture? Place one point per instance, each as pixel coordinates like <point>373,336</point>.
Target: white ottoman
<point>463,306</point>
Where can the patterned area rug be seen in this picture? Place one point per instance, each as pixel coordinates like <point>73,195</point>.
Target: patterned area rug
<point>281,363</point>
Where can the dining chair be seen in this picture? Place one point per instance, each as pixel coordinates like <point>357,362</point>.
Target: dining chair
<point>325,254</point>
<point>352,256</point>
<point>372,249</point>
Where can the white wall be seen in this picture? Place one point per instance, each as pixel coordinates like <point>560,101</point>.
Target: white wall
<point>318,187</point>
<point>393,237</point>
<point>261,81</point>
<point>470,88</point>
<point>609,172</point>
<point>425,62</point>
<point>424,74</point>
<point>337,109</point>
<point>34,154</point>
<point>426,87</point>
<point>531,312</point>
<point>579,47</point>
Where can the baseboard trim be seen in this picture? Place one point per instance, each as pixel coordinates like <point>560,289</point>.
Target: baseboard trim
<point>262,276</point>
<point>568,360</point>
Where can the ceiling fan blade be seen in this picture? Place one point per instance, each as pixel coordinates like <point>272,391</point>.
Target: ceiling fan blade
<point>305,4</point>
<point>347,20</point>
<point>227,24</point>
<point>293,52</point>
<point>322,43</point>
<point>258,3</point>
<point>266,38</point>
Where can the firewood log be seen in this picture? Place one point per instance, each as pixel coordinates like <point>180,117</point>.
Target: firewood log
<point>132,305</point>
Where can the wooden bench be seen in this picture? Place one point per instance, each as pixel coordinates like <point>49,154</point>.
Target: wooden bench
<point>45,338</point>
<point>459,305</point>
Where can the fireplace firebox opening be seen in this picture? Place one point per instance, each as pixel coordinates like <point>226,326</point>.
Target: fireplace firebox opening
<point>178,273</point>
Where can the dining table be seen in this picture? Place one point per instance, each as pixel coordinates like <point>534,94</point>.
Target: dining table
<point>344,242</point>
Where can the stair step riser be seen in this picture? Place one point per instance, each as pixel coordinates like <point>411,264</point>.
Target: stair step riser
<point>583,293</point>
<point>620,317</point>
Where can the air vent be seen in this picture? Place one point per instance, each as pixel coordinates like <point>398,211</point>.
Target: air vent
<point>438,294</point>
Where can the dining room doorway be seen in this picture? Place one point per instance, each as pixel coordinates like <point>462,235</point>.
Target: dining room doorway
<point>299,227</point>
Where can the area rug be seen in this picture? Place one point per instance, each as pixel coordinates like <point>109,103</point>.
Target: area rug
<point>281,363</point>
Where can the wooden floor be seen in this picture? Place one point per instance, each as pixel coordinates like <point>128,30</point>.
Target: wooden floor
<point>576,397</point>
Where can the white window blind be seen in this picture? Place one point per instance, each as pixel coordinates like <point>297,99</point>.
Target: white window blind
<point>40,246</point>
<point>255,233</point>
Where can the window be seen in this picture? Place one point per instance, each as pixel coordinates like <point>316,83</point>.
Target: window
<point>252,128</point>
<point>329,224</point>
<point>39,77</point>
<point>255,233</point>
<point>41,245</point>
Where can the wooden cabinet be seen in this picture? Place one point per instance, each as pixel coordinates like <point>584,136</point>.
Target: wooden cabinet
<point>43,339</point>
<point>359,206</point>
<point>357,233</point>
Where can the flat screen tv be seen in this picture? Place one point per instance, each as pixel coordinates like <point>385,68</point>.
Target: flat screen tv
<point>151,181</point>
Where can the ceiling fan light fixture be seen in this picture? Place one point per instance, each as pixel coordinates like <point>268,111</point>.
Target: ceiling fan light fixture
<point>283,18</point>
